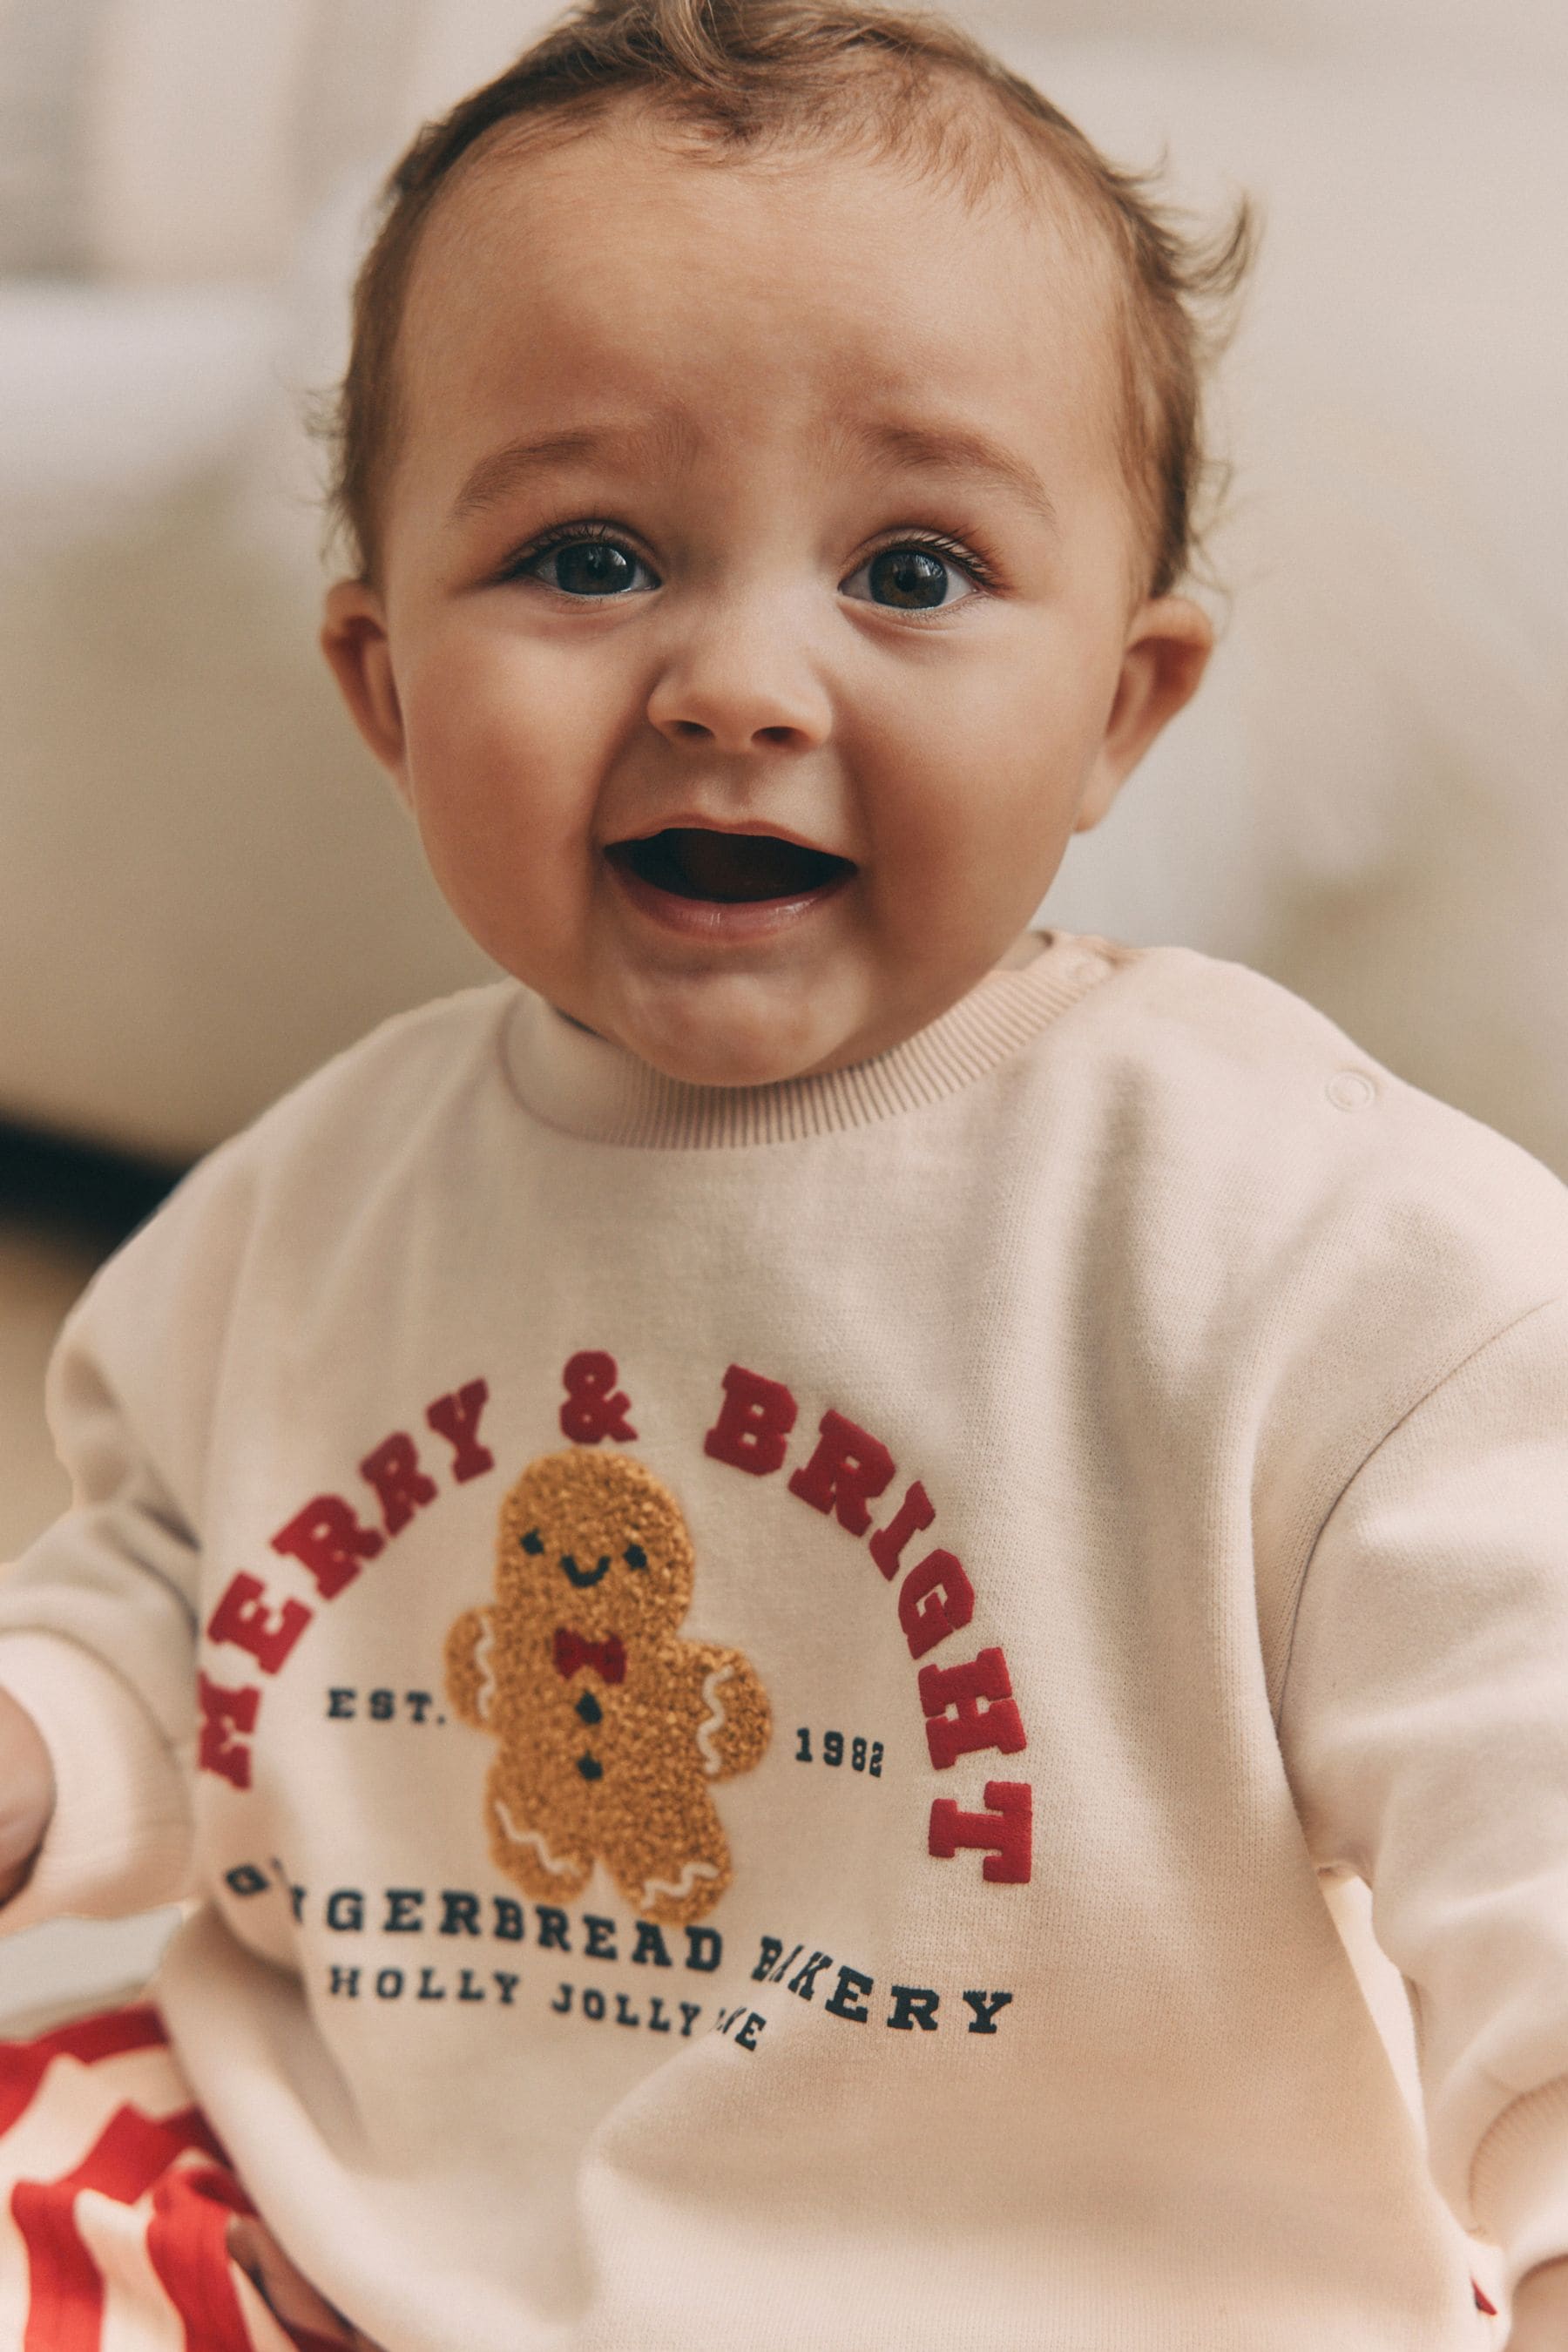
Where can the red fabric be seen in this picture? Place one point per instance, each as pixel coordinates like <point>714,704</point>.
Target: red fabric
<point>572,1650</point>
<point>935,1600</point>
<point>221,1710</point>
<point>594,1408</point>
<point>970,1725</point>
<point>752,1432</point>
<point>849,1470</point>
<point>1004,1834</point>
<point>886,1544</point>
<point>392,1468</point>
<point>242,1618</point>
<point>188,2245</point>
<point>457,1419</point>
<point>151,2153</point>
<point>65,2307</point>
<point>328,1539</point>
<point>24,2065</point>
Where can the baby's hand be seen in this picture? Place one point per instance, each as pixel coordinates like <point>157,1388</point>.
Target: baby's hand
<point>26,1793</point>
<point>1540,2310</point>
<point>288,2295</point>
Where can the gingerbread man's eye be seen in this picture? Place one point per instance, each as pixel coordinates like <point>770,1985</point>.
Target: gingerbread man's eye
<point>635,1556</point>
<point>533,1541</point>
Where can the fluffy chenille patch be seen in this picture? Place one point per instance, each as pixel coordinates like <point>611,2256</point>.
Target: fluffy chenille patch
<point>611,1729</point>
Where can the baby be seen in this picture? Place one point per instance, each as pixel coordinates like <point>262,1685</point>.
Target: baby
<point>755,1575</point>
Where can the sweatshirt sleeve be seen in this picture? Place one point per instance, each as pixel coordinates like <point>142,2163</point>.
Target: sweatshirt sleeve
<point>97,1619</point>
<point>1424,1730</point>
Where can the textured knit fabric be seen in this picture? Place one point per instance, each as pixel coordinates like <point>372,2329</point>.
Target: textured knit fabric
<point>118,2208</point>
<point>755,1686</point>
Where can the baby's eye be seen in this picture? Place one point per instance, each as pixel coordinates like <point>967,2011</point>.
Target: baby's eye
<point>911,579</point>
<point>589,566</point>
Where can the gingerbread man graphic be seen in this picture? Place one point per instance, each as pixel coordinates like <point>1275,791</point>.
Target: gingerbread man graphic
<point>611,1729</point>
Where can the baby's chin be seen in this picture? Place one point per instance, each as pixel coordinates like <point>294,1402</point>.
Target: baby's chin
<point>736,1029</point>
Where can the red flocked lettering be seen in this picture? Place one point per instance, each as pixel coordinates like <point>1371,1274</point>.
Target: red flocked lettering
<point>887,1544</point>
<point>225,1712</point>
<point>594,1408</point>
<point>848,1468</point>
<point>755,1422</point>
<point>330,1541</point>
<point>457,1419</point>
<point>402,1487</point>
<point>935,1598</point>
<point>243,1618</point>
<point>972,1725</point>
<point>1004,1834</point>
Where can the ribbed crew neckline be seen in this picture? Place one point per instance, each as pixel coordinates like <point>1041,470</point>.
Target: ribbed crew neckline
<point>576,1081</point>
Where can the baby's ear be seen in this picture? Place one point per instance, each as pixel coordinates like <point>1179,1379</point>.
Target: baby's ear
<point>1169,642</point>
<point>354,640</point>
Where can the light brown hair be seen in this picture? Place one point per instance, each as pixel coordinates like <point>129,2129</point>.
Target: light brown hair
<point>738,75</point>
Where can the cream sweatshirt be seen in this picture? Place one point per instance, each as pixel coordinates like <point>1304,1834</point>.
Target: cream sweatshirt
<point>755,1687</point>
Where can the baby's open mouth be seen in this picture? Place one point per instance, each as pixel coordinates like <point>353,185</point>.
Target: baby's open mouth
<point>692,862</point>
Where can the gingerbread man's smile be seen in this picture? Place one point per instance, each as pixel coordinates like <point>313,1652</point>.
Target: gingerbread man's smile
<point>584,1577</point>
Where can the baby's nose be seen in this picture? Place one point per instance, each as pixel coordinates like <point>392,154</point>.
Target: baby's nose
<point>739,685</point>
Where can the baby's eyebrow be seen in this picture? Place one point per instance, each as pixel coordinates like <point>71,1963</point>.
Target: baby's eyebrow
<point>503,470</point>
<point>954,450</point>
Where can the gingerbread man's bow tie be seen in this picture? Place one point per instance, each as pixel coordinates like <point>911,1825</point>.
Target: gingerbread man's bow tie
<point>609,1659</point>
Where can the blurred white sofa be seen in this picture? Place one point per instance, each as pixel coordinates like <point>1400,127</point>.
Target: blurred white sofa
<point>204,888</point>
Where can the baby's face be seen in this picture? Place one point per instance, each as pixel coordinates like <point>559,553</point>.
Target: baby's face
<point>752,627</point>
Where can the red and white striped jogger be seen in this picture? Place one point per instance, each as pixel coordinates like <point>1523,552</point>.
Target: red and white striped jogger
<point>115,2202</point>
